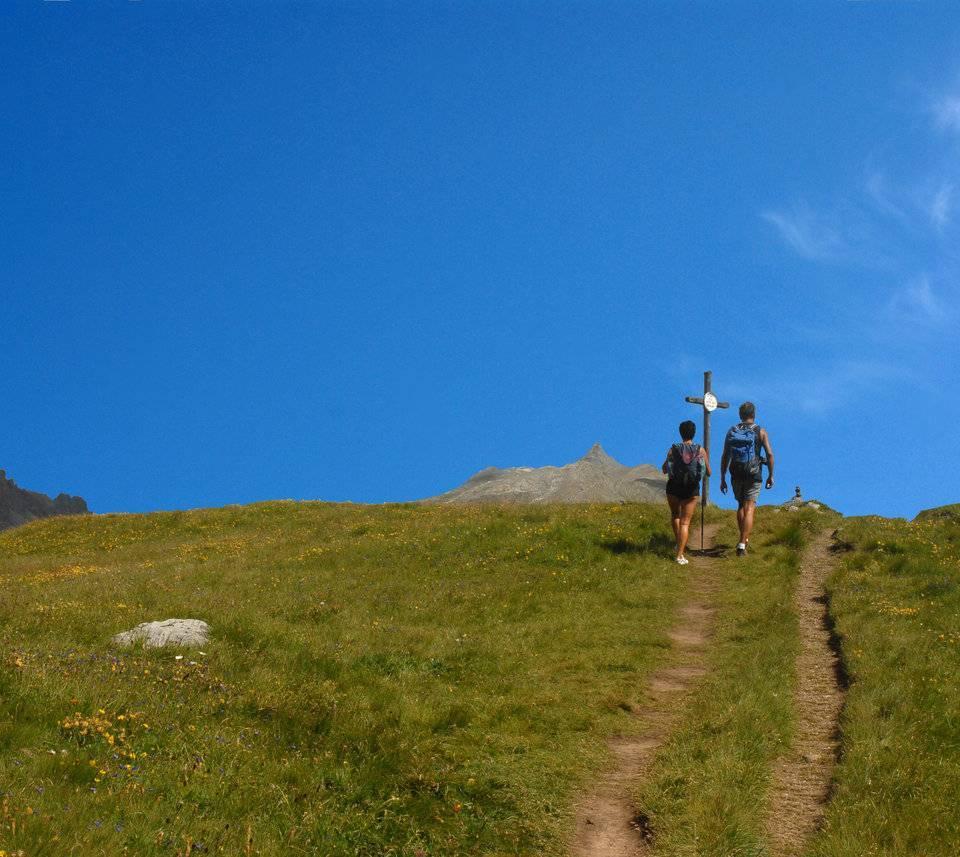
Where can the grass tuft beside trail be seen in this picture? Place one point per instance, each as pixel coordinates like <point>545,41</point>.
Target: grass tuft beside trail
<point>391,680</point>
<point>896,602</point>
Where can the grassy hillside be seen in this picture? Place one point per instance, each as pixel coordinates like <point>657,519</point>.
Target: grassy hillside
<point>418,681</point>
<point>386,680</point>
<point>896,601</point>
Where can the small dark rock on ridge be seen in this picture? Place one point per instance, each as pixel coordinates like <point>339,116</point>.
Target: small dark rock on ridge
<point>19,506</point>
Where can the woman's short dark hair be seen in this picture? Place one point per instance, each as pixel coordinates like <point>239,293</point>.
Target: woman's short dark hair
<point>688,428</point>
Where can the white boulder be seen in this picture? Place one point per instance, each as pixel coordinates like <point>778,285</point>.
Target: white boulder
<point>169,632</point>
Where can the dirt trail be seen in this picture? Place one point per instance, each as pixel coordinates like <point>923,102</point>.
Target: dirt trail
<point>607,821</point>
<point>801,780</point>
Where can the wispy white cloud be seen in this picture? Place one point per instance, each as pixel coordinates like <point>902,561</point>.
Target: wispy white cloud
<point>917,302</point>
<point>941,205</point>
<point>897,227</point>
<point>882,196</point>
<point>841,234</point>
<point>819,391</point>
<point>946,112</point>
<point>809,234</point>
<point>909,192</point>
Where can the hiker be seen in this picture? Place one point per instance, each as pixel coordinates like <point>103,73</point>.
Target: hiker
<point>742,454</point>
<point>685,465</point>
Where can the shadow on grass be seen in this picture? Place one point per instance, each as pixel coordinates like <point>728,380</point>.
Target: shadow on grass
<point>658,544</point>
<point>835,641</point>
<point>716,551</point>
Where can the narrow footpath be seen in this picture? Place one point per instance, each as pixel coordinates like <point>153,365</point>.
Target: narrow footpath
<point>801,780</point>
<point>608,824</point>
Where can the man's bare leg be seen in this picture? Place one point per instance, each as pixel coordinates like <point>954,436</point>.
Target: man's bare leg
<point>745,519</point>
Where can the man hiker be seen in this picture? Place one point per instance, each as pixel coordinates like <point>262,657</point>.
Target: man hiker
<point>742,449</point>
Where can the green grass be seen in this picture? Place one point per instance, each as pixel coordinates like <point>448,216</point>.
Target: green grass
<point>389,680</point>
<point>896,601</point>
<point>707,792</point>
<point>404,680</point>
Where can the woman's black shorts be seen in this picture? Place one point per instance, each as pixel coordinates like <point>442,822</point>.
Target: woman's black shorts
<point>682,492</point>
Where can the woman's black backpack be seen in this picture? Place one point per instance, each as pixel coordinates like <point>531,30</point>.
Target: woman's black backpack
<point>686,466</point>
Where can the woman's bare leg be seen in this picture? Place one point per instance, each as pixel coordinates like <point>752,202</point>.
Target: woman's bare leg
<point>687,509</point>
<point>675,516</point>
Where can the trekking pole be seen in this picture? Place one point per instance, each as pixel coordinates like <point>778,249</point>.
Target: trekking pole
<point>702,504</point>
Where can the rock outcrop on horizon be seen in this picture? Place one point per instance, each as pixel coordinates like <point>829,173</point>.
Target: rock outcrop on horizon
<point>18,506</point>
<point>595,478</point>
<point>940,513</point>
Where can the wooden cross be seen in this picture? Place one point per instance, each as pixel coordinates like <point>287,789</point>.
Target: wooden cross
<point>709,403</point>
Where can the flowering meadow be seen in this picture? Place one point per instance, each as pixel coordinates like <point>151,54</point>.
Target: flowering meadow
<point>393,680</point>
<point>896,603</point>
<point>415,680</point>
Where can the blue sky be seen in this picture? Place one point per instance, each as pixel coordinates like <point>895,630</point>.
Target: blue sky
<point>358,251</point>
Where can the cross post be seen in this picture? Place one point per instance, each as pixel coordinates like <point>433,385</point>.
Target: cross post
<point>709,403</point>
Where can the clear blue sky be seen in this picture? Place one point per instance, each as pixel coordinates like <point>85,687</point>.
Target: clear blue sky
<point>357,251</point>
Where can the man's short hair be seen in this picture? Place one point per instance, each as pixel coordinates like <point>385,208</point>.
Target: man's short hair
<point>688,428</point>
<point>748,411</point>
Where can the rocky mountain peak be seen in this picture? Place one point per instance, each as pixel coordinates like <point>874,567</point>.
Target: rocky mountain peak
<point>595,478</point>
<point>18,506</point>
<point>598,455</point>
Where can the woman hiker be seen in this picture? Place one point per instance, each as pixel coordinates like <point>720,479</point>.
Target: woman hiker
<point>685,465</point>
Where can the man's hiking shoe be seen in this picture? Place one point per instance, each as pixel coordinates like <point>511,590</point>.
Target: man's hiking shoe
<point>741,549</point>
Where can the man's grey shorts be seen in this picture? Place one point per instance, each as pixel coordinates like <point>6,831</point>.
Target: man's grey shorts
<point>745,489</point>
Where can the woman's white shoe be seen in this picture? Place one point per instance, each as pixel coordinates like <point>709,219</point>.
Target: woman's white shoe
<point>682,560</point>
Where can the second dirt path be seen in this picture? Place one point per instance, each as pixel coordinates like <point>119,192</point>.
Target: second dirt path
<point>801,780</point>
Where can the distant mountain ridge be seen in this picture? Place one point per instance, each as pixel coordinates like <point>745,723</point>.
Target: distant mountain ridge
<point>18,506</point>
<point>595,478</point>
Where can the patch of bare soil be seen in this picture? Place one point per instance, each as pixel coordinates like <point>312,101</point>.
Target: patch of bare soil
<point>608,824</point>
<point>801,780</point>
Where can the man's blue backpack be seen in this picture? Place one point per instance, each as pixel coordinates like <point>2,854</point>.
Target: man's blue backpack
<point>686,466</point>
<point>743,447</point>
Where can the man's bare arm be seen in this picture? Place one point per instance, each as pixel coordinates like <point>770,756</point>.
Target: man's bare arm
<point>765,440</point>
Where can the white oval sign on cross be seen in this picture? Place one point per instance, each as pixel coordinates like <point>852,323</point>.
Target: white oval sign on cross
<point>709,402</point>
